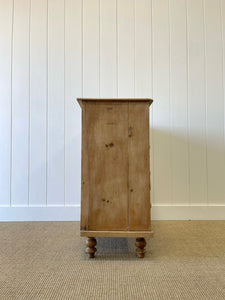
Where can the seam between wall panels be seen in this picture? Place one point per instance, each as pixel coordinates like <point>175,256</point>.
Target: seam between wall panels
<point>206,107</point>
<point>128,171</point>
<point>134,16</point>
<point>152,72</point>
<point>12,35</point>
<point>29,116</point>
<point>170,109</point>
<point>47,33</point>
<point>64,107</point>
<point>99,45</point>
<point>188,117</point>
<point>82,48</point>
<point>117,77</point>
<point>223,77</point>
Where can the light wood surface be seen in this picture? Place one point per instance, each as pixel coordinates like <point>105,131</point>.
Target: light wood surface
<point>119,233</point>
<point>115,170</point>
<point>84,175</point>
<point>106,129</point>
<point>82,100</point>
<point>138,153</point>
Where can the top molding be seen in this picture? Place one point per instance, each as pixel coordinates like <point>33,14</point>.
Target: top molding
<point>80,100</point>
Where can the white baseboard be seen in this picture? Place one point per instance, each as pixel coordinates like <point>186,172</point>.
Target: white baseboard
<point>72,213</point>
<point>40,213</point>
<point>188,212</point>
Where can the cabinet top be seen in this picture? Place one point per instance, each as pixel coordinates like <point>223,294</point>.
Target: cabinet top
<point>80,100</point>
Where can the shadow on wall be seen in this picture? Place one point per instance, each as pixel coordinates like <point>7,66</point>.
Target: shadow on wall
<point>62,181</point>
<point>187,167</point>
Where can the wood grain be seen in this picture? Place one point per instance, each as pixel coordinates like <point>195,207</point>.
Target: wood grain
<point>139,176</point>
<point>115,168</point>
<point>84,175</point>
<point>82,100</point>
<point>106,125</point>
<point>117,233</point>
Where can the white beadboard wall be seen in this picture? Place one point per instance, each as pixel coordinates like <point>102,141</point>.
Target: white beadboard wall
<point>53,51</point>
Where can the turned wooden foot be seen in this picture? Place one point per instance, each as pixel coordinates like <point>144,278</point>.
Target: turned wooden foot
<point>90,250</point>
<point>140,244</point>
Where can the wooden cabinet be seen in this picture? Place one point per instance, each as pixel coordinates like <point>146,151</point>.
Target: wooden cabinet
<point>115,185</point>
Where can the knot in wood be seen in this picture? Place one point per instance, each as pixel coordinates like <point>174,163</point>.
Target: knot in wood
<point>109,145</point>
<point>130,131</point>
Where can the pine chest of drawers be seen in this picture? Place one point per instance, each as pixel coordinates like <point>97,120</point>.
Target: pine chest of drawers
<point>115,184</point>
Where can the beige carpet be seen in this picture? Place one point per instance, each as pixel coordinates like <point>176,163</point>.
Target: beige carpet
<point>46,260</point>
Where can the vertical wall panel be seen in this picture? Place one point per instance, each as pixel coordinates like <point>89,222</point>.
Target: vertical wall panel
<point>91,48</point>
<point>108,48</point>
<point>53,51</point>
<point>55,172</point>
<point>38,101</point>
<point>6,19</point>
<point>142,49</point>
<point>143,64</point>
<point>125,19</point>
<point>161,117</point>
<point>178,104</point>
<point>215,102</point>
<point>20,103</point>
<point>223,47</point>
<point>196,102</point>
<point>73,84</point>
<point>151,124</point>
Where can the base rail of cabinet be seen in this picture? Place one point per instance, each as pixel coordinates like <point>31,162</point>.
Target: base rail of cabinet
<point>117,233</point>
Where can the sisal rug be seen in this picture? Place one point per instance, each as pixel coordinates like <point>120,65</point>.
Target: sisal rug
<point>46,260</point>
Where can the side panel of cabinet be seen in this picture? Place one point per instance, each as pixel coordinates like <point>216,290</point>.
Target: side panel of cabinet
<point>107,142</point>
<point>84,174</point>
<point>139,174</point>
